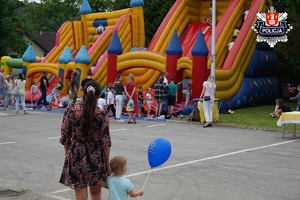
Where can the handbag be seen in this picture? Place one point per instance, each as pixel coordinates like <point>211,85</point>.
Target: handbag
<point>130,105</point>
<point>129,108</point>
<point>206,98</point>
<point>15,90</point>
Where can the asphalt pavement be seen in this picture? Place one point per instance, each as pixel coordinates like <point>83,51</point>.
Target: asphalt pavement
<point>217,163</point>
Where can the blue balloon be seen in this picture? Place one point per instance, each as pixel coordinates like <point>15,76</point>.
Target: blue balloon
<point>159,151</point>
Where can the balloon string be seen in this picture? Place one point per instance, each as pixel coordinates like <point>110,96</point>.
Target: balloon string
<point>146,180</point>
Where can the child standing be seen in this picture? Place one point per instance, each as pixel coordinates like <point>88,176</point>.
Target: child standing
<point>149,102</point>
<point>34,90</point>
<point>120,187</point>
<point>297,97</point>
<point>111,100</point>
<point>140,99</point>
<point>101,101</point>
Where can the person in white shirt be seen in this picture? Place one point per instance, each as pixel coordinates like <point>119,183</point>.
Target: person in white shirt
<point>208,95</point>
<point>111,100</point>
<point>20,96</point>
<point>246,12</point>
<point>166,78</point>
<point>101,101</point>
<point>149,102</point>
<point>230,44</point>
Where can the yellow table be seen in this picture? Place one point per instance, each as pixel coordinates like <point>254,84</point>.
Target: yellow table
<point>215,111</point>
<point>289,118</point>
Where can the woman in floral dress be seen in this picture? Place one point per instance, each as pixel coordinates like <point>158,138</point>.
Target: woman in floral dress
<point>86,139</point>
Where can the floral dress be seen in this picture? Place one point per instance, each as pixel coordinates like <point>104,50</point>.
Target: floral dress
<point>85,163</point>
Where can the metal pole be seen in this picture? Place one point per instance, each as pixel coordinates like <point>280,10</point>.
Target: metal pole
<point>213,40</point>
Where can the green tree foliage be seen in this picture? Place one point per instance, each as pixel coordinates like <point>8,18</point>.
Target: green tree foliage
<point>49,15</point>
<point>155,12</point>
<point>100,5</point>
<point>288,53</point>
<point>11,27</point>
<point>118,5</point>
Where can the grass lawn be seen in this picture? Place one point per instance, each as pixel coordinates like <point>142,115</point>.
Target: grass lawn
<point>256,117</point>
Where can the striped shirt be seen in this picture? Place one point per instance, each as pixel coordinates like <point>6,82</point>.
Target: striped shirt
<point>119,88</point>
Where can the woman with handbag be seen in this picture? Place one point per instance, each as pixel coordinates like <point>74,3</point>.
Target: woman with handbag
<point>208,95</point>
<point>20,83</point>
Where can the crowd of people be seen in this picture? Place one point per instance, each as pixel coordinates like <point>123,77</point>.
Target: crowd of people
<point>136,100</point>
<point>12,91</point>
<point>132,98</point>
<point>86,138</point>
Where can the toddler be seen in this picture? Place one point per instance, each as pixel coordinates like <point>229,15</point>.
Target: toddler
<point>101,101</point>
<point>34,91</point>
<point>120,187</point>
<point>149,101</point>
<point>273,114</point>
<point>111,100</point>
<point>280,107</point>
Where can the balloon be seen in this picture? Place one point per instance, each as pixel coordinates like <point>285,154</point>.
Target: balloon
<point>159,152</point>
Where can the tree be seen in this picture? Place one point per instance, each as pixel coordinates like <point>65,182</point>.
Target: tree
<point>154,13</point>
<point>12,28</point>
<point>117,4</point>
<point>288,53</point>
<point>37,14</point>
<point>49,15</point>
<point>103,5</point>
